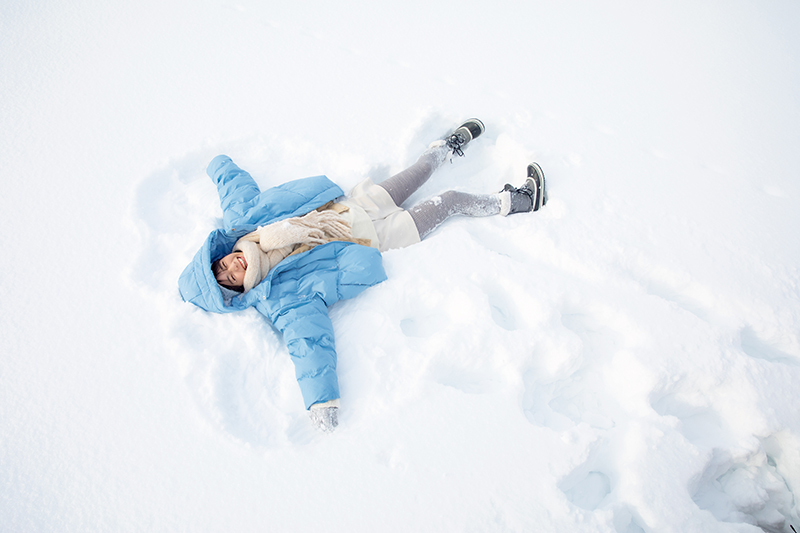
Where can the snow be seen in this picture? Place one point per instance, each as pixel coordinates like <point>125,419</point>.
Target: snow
<point>625,360</point>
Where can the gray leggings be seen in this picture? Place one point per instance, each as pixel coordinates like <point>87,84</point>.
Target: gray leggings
<point>429,214</point>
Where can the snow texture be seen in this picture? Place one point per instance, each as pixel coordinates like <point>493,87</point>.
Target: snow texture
<point>626,359</point>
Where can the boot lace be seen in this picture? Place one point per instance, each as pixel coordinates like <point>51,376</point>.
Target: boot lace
<point>521,192</point>
<point>455,142</point>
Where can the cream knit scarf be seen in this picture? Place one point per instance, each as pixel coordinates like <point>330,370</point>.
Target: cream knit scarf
<point>271,244</point>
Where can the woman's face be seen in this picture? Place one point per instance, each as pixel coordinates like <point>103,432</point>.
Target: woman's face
<point>230,270</point>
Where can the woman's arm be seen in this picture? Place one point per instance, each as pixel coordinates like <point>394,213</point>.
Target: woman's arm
<point>308,334</point>
<point>236,189</point>
<point>313,228</point>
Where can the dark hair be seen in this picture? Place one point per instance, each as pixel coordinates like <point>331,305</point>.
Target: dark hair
<point>215,270</point>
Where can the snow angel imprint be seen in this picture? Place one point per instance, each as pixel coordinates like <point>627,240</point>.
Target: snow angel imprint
<point>296,249</point>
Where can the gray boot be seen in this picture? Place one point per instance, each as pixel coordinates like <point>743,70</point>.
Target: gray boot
<point>469,130</point>
<point>531,196</point>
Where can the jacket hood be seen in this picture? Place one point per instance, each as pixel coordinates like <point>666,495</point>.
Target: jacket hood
<point>197,283</point>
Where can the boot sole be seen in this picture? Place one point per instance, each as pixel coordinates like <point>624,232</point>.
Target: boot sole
<point>536,174</point>
<point>474,122</point>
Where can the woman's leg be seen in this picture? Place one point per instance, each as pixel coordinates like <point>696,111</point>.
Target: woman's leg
<point>429,214</point>
<point>530,196</point>
<point>404,184</point>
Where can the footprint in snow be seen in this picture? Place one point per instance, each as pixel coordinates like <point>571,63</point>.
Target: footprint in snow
<point>749,488</point>
<point>756,347</point>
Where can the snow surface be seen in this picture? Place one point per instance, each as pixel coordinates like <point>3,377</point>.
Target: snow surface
<point>625,360</point>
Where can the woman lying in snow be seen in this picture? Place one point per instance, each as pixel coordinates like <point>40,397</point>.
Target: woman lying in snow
<point>292,251</point>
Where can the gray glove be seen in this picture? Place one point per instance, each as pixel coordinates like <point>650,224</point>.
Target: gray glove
<point>325,416</point>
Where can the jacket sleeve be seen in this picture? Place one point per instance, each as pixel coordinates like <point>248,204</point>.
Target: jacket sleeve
<point>236,188</point>
<point>308,334</point>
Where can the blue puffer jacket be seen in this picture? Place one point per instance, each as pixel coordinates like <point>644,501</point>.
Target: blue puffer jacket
<point>296,294</point>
